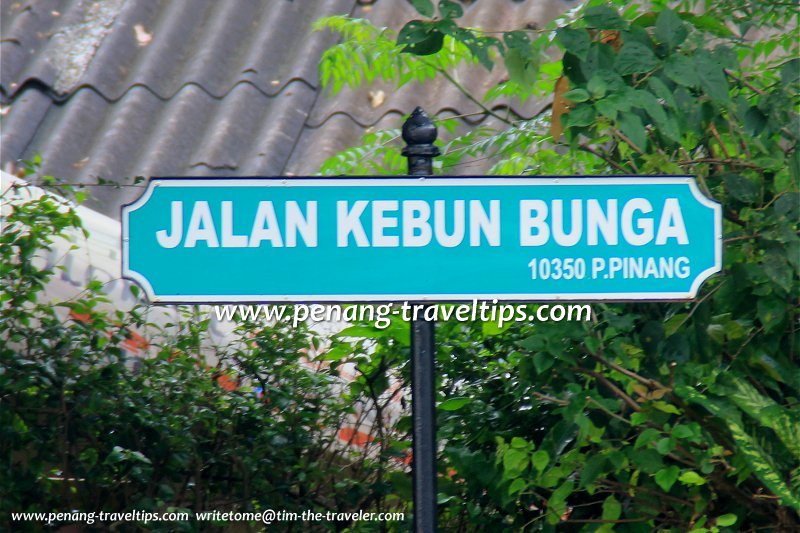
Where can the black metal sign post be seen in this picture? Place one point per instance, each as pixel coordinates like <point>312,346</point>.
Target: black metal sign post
<point>419,132</point>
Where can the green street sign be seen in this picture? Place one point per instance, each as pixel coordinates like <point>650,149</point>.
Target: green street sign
<point>411,238</point>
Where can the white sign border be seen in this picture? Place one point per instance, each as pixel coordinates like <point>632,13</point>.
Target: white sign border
<point>414,181</point>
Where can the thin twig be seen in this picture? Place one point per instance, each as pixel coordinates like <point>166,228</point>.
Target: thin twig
<point>743,81</point>
<point>547,398</point>
<point>82,185</point>
<point>608,411</point>
<point>700,301</point>
<point>624,371</point>
<point>627,140</point>
<point>467,94</point>
<point>601,521</point>
<point>605,158</point>
<point>613,388</point>
<point>442,119</point>
<point>717,136</point>
<point>741,238</point>
<point>716,161</point>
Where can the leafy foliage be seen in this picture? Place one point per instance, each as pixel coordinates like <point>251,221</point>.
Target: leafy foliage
<point>368,53</point>
<point>84,425</point>
<point>674,417</point>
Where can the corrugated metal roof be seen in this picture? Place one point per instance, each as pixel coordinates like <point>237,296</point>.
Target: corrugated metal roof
<point>164,45</point>
<point>125,88</point>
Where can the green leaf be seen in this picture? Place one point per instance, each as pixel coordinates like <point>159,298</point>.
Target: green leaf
<point>712,78</point>
<point>450,10</point>
<point>361,332</point>
<point>515,462</point>
<point>670,29</point>
<point>575,41</point>
<point>420,38</point>
<point>768,365</point>
<point>519,443</point>
<point>667,125</point>
<point>611,508</point>
<point>424,7</point>
<point>647,460</point>
<point>336,353</point>
<point>615,85</point>
<point>478,45</point>
<point>667,477</point>
<point>788,205</point>
<point>766,411</point>
<point>540,460</point>
<point>454,404</point>
<point>770,312</point>
<point>604,18</point>
<point>518,485</point>
<point>659,88</point>
<point>682,432</point>
<point>665,407</point>
<point>490,329</point>
<point>752,454</point>
<point>790,72</point>
<point>577,95</point>
<point>582,115</point>
<point>681,70</point>
<point>612,104</point>
<point>690,477</point>
<point>631,125</point>
<point>646,437</point>
<point>645,20</point>
<point>591,469</point>
<point>665,445</point>
<point>741,188</point>
<point>523,71</point>
<point>413,32</point>
<point>559,437</point>
<point>727,520</point>
<point>754,122</point>
<point>89,456</point>
<point>542,361</point>
<point>443,498</point>
<point>725,56</point>
<point>600,58</point>
<point>673,323</point>
<point>517,40</point>
<point>707,23</point>
<point>635,58</point>
<point>777,268</point>
<point>430,45</point>
<point>597,87</point>
<point>557,502</point>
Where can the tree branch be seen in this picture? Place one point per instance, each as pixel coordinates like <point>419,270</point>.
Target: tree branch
<point>610,386</point>
<point>605,158</point>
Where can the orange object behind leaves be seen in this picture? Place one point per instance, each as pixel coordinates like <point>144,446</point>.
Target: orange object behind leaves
<point>135,342</point>
<point>354,437</point>
<point>560,107</point>
<point>225,381</point>
<point>612,37</point>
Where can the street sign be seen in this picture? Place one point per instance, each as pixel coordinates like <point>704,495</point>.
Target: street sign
<point>412,238</point>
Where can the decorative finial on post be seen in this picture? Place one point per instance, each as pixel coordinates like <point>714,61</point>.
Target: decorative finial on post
<point>419,132</point>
